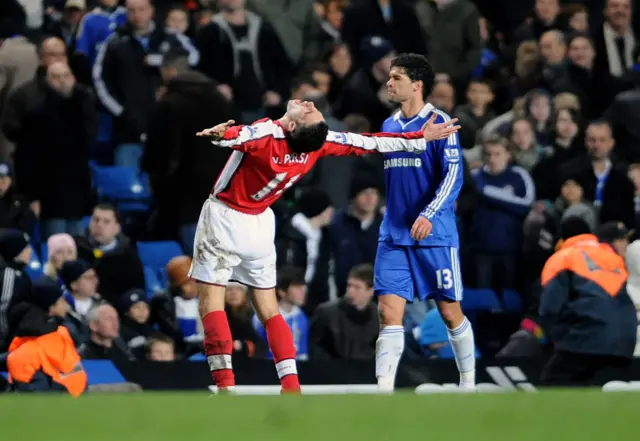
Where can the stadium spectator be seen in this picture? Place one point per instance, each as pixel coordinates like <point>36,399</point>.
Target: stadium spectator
<point>96,26</point>
<point>135,328</point>
<point>578,17</point>
<point>304,243</point>
<point>347,328</point>
<point>354,230</point>
<point>634,176</point>
<point>331,14</point>
<point>338,58</point>
<point>539,109</point>
<point>243,53</point>
<point>61,248</point>
<point>291,292</point>
<point>126,76</point>
<point>553,50</point>
<point>18,64</point>
<point>615,234</point>
<point>105,343</point>
<point>42,356</point>
<point>365,92</point>
<point>615,39</point>
<point>587,335</point>
<point>81,284</point>
<point>176,311</point>
<point>111,253</point>
<point>527,152</point>
<point>605,185</point>
<point>476,113</point>
<point>528,70</point>
<point>443,96</point>
<point>64,24</point>
<point>161,348</point>
<point>15,252</point>
<point>296,24</point>
<point>14,208</point>
<point>451,29</point>
<point>246,341</point>
<point>546,17</point>
<point>393,20</point>
<point>496,229</point>
<point>177,20</point>
<point>632,259</point>
<point>179,163</point>
<point>56,136</point>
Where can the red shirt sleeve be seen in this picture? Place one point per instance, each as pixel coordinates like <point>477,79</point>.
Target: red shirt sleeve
<point>346,143</point>
<point>250,138</point>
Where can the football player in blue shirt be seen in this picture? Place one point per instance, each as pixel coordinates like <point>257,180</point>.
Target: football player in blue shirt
<point>417,255</point>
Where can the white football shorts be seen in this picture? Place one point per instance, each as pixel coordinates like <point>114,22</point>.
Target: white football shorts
<point>230,245</point>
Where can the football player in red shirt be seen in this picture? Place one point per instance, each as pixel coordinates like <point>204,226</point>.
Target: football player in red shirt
<point>235,233</point>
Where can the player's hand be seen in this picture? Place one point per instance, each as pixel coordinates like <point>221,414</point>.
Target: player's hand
<point>421,228</point>
<point>433,131</point>
<point>216,132</point>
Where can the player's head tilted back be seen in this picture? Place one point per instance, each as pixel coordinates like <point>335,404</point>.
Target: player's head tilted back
<point>304,125</point>
<point>411,75</point>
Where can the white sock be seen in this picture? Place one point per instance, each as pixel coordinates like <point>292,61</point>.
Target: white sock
<point>464,349</point>
<point>389,348</point>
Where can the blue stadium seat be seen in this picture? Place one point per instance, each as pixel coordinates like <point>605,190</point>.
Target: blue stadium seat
<point>480,300</point>
<point>164,277</point>
<point>151,282</point>
<point>512,301</point>
<point>34,269</point>
<point>156,255</point>
<point>124,186</point>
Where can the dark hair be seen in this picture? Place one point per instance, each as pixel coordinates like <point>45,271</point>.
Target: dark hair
<point>576,35</point>
<point>178,58</point>
<point>305,139</point>
<point>315,66</point>
<point>417,68</point>
<point>496,139</point>
<point>573,226</point>
<point>289,276</point>
<point>483,81</point>
<point>106,206</point>
<point>159,338</point>
<point>362,272</point>
<point>301,80</point>
<point>601,122</point>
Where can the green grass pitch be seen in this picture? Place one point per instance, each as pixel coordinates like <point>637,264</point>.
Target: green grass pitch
<point>542,416</point>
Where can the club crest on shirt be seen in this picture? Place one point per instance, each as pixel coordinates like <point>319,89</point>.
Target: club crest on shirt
<point>452,155</point>
<point>291,158</point>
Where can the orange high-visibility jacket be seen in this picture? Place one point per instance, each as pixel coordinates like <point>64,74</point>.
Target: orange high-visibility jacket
<point>54,354</point>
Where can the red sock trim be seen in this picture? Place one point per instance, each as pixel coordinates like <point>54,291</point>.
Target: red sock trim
<point>281,344</point>
<point>218,346</point>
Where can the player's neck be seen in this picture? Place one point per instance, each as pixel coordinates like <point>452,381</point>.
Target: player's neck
<point>237,17</point>
<point>411,107</point>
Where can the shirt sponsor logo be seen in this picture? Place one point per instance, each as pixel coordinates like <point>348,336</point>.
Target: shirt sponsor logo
<point>292,158</point>
<point>402,162</point>
<point>452,155</point>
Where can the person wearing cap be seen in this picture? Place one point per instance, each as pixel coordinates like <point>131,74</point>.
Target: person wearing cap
<point>81,282</point>
<point>42,355</point>
<point>64,24</point>
<point>615,234</point>
<point>176,311</point>
<point>585,309</point>
<point>365,92</point>
<point>304,242</point>
<point>354,230</point>
<point>15,253</point>
<point>135,328</point>
<point>61,248</point>
<point>14,208</point>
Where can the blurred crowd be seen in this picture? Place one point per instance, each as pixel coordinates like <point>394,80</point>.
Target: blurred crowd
<point>547,93</point>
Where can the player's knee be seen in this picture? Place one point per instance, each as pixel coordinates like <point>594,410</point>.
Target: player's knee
<point>210,298</point>
<point>390,313</point>
<point>451,313</point>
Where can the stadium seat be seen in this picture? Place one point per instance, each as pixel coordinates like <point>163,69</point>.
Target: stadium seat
<point>164,278</point>
<point>44,252</point>
<point>151,282</point>
<point>480,300</point>
<point>125,187</point>
<point>511,301</point>
<point>34,269</point>
<point>156,255</point>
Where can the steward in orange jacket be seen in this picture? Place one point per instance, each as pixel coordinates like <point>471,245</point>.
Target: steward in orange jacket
<point>42,356</point>
<point>585,307</point>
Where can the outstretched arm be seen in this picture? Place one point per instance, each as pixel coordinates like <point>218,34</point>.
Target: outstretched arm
<point>242,138</point>
<point>346,143</point>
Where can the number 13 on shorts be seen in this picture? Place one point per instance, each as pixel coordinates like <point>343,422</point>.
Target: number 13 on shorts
<point>444,278</point>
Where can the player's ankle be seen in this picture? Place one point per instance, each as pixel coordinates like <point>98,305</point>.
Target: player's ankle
<point>386,384</point>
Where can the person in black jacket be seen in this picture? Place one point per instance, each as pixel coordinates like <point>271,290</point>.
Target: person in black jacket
<point>347,328</point>
<point>126,76</point>
<point>136,330</point>
<point>15,252</point>
<point>14,208</point>
<point>183,167</point>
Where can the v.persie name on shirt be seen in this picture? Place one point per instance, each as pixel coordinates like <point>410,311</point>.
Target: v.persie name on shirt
<point>402,162</point>
<point>292,158</point>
